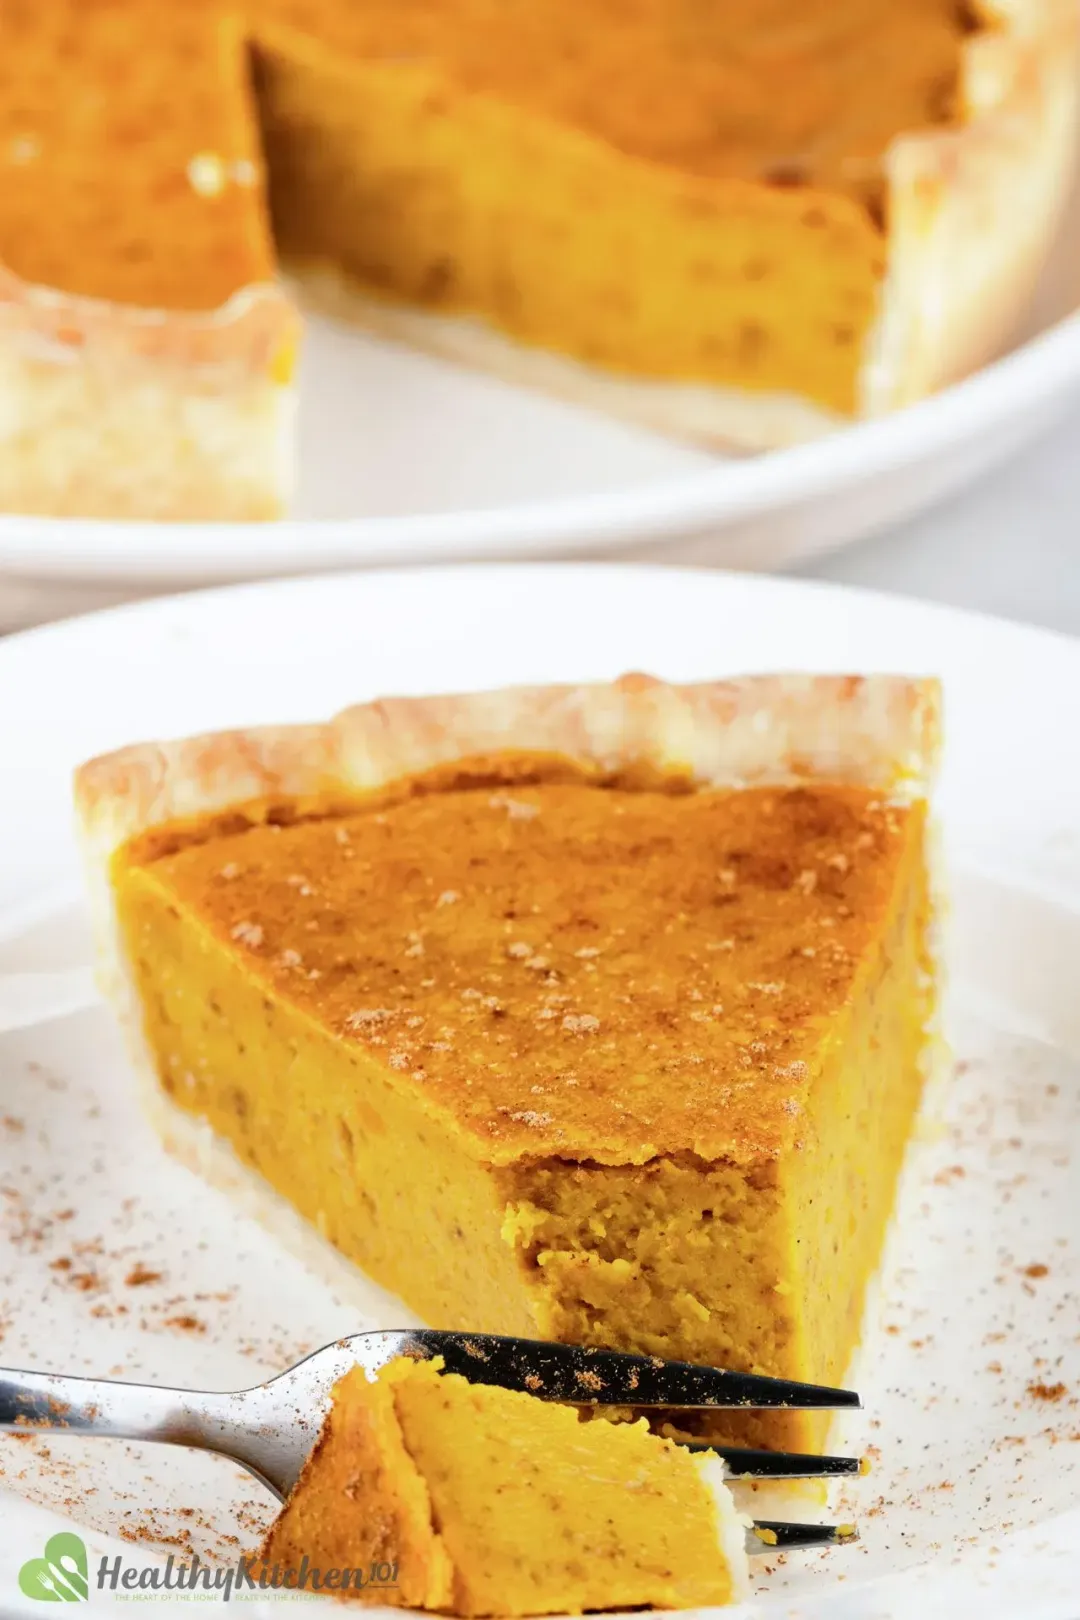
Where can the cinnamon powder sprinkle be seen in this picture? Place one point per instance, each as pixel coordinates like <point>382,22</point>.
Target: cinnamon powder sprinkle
<point>186,1324</point>
<point>139,1276</point>
<point>549,948</point>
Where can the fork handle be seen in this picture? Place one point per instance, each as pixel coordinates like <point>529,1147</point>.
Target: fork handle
<point>245,1424</point>
<point>101,1406</point>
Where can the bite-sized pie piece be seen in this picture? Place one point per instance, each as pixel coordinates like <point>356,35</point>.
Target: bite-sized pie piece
<point>738,222</point>
<point>593,1013</point>
<point>473,1500</point>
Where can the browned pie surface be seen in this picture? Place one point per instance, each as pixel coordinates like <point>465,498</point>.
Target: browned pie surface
<point>794,90</point>
<point>130,163</point>
<point>130,143</point>
<point>569,966</point>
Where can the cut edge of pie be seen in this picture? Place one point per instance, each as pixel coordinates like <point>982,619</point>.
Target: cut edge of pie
<point>166,414</point>
<point>880,733</point>
<point>955,283</point>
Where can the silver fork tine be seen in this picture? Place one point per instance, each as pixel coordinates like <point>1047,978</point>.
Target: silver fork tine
<point>271,1428</point>
<point>777,1535</point>
<point>584,1376</point>
<point>746,1463</point>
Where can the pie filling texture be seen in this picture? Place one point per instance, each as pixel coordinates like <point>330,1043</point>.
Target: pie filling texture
<point>485,1501</point>
<point>625,1065</point>
<point>672,189</point>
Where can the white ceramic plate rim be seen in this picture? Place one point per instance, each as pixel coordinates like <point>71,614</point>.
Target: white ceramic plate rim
<point>1034,373</point>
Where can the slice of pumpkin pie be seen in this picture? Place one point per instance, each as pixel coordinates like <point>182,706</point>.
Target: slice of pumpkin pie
<point>595,1013</point>
<point>436,1493</point>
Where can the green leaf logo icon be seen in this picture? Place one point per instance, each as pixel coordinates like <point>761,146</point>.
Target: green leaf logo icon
<point>60,1576</point>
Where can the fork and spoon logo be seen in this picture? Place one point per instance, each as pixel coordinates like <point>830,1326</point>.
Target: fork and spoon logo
<point>60,1576</point>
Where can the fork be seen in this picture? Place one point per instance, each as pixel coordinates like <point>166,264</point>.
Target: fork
<point>271,1429</point>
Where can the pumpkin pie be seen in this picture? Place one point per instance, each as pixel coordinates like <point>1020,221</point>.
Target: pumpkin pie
<point>593,1013</point>
<point>440,1494</point>
<point>742,223</point>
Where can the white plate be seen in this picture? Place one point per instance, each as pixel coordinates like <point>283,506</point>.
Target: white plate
<point>404,458</point>
<point>974,1506</point>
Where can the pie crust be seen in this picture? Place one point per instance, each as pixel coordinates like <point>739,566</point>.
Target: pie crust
<point>880,731</point>
<point>113,411</point>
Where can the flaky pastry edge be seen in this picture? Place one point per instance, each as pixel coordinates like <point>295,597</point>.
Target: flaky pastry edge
<point>112,411</point>
<point>879,731</point>
<point>972,210</point>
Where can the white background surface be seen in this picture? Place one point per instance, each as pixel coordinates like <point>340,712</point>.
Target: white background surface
<point>1011,545</point>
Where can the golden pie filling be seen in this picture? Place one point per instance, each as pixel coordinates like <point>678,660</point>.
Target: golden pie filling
<point>624,1065</point>
<point>676,189</point>
<point>486,1501</point>
<point>682,191</point>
